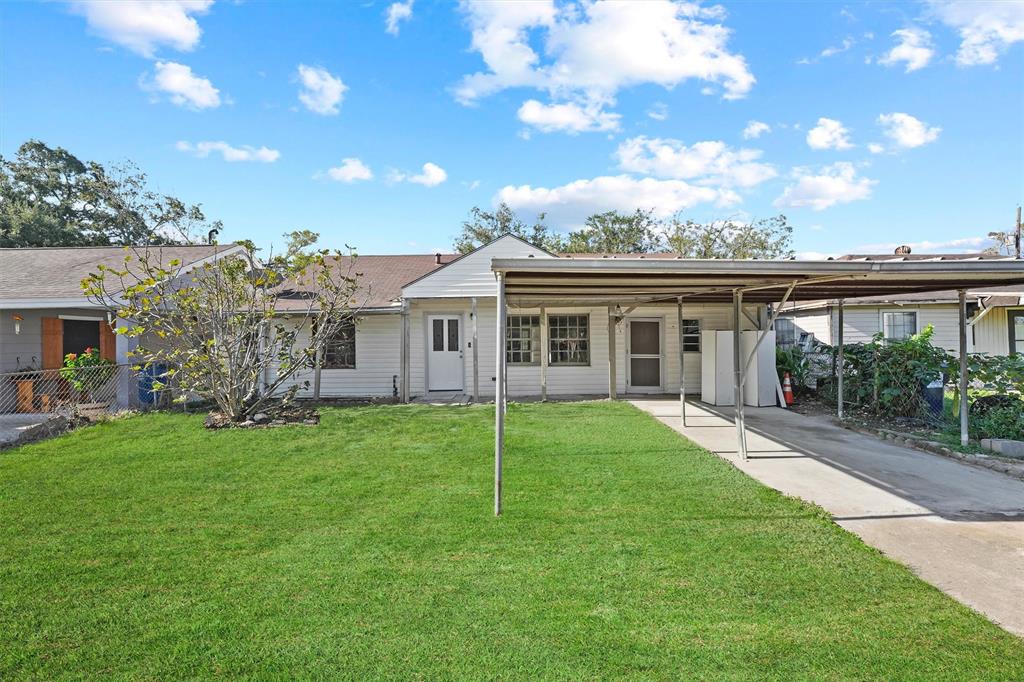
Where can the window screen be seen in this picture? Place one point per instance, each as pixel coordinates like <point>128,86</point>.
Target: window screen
<point>785,333</point>
<point>437,335</point>
<point>340,350</point>
<point>569,339</point>
<point>453,335</point>
<point>691,336</point>
<point>522,339</point>
<point>897,326</point>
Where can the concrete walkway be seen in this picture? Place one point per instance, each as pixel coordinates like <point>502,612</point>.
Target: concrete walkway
<point>959,527</point>
<point>16,428</point>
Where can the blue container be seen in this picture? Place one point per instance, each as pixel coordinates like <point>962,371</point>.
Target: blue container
<point>934,397</point>
<point>147,377</point>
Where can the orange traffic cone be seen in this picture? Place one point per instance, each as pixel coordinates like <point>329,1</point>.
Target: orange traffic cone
<point>787,389</point>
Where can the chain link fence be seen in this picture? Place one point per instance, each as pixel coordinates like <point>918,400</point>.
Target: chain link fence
<point>908,383</point>
<point>85,391</point>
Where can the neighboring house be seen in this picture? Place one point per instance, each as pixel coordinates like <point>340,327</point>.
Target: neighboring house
<point>445,308</point>
<point>995,315</point>
<point>44,314</point>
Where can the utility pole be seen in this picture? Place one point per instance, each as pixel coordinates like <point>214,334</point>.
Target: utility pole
<point>1017,238</point>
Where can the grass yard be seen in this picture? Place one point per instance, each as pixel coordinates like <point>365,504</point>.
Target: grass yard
<point>366,548</point>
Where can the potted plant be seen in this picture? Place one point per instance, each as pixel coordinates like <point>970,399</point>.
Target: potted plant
<point>88,373</point>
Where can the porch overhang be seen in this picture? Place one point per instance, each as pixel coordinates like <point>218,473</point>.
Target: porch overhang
<point>582,280</point>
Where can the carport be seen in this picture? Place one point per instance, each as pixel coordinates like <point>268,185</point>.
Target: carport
<point>525,282</point>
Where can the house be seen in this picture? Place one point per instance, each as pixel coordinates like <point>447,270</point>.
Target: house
<point>995,314</point>
<point>444,308</point>
<point>44,315</point>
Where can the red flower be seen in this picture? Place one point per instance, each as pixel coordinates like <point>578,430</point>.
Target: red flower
<point>88,351</point>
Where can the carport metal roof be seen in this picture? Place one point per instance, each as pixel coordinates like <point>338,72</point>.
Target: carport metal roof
<point>539,280</point>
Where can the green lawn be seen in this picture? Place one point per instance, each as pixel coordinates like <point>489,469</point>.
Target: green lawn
<point>366,548</point>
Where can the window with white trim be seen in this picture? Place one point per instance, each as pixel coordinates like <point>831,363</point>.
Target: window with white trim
<point>691,336</point>
<point>898,325</point>
<point>340,349</point>
<point>522,339</point>
<point>569,339</point>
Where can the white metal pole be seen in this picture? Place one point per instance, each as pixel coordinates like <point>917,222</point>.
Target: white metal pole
<point>840,362</point>
<point>543,354</point>
<point>964,415</point>
<point>682,362</point>
<point>737,305</point>
<point>403,357</point>
<point>476,350</point>
<point>612,392</point>
<point>499,396</point>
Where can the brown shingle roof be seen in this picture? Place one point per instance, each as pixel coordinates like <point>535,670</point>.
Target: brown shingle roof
<point>381,278</point>
<point>56,272</point>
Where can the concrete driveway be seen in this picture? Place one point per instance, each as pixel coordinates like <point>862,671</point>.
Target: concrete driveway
<point>959,527</point>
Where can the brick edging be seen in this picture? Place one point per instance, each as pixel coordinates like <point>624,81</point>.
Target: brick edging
<point>934,448</point>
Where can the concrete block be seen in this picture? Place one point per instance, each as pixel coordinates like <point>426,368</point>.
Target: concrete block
<point>1008,448</point>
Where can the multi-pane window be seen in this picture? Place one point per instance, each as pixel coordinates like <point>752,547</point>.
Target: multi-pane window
<point>569,339</point>
<point>522,339</point>
<point>691,336</point>
<point>340,349</point>
<point>897,326</point>
<point>785,332</point>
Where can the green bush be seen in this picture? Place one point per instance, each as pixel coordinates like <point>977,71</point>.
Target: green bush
<point>1001,422</point>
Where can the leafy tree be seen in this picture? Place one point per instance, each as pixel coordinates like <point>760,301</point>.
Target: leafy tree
<point>1005,244</point>
<point>764,238</point>
<point>482,227</point>
<point>236,330</point>
<point>49,197</point>
<point>614,232</point>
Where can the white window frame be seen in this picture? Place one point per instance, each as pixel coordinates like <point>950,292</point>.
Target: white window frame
<point>552,340</point>
<point>881,321</point>
<point>534,339</point>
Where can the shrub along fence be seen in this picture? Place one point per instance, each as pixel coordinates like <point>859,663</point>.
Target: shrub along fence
<point>913,381</point>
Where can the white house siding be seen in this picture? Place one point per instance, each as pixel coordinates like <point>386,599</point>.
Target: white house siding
<point>471,275</point>
<point>863,322</point>
<point>992,333</point>
<point>378,358</point>
<point>524,380</point>
<point>813,322</point>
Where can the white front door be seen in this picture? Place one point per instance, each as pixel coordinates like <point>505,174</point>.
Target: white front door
<point>444,353</point>
<point>643,356</point>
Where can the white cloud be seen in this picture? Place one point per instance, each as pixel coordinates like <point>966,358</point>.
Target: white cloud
<point>835,184</point>
<point>397,13</point>
<point>182,87</point>
<point>569,118</point>
<point>906,131</point>
<point>987,28</point>
<point>229,153</point>
<point>914,48</point>
<point>876,148</point>
<point>569,205</point>
<point>431,175</point>
<point>351,170</point>
<point>833,51</point>
<point>828,134</point>
<point>321,91</point>
<point>145,25</point>
<point>755,129</point>
<point>707,163</point>
<point>592,50</point>
<point>658,111</point>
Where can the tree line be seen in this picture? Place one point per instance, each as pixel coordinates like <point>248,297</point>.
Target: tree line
<point>49,197</point>
<point>637,232</point>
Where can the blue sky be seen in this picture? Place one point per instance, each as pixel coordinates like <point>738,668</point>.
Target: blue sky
<point>867,124</point>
